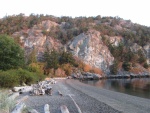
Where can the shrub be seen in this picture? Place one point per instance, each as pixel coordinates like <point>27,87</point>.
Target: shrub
<point>146,65</point>
<point>96,70</point>
<point>126,66</point>
<point>13,78</point>
<point>87,68</point>
<point>114,68</point>
<point>28,77</point>
<point>67,68</point>
<point>8,79</point>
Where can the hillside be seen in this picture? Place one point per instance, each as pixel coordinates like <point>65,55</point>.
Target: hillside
<point>111,44</point>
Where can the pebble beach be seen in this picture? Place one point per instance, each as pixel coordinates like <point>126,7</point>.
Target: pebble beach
<point>83,98</point>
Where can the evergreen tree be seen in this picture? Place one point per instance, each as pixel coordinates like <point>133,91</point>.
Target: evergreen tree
<point>11,55</point>
<point>32,57</point>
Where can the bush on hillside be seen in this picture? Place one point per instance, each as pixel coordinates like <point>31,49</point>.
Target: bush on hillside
<point>8,79</point>
<point>114,68</point>
<point>11,78</point>
<point>146,65</point>
<point>96,70</point>
<point>126,66</point>
<point>67,68</point>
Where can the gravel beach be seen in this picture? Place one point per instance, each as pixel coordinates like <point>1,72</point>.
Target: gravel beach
<point>90,99</point>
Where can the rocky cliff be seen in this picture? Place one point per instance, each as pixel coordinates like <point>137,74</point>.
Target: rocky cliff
<point>35,39</point>
<point>87,45</point>
<point>90,48</point>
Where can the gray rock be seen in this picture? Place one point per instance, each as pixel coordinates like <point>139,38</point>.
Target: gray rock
<point>90,48</point>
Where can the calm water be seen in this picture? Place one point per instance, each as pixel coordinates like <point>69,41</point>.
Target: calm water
<point>137,87</point>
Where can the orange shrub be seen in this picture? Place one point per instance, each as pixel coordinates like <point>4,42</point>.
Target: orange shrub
<point>87,68</point>
<point>97,71</point>
<point>67,68</point>
<point>136,70</point>
<point>60,73</point>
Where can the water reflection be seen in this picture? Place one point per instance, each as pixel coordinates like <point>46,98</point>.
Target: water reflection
<point>137,87</point>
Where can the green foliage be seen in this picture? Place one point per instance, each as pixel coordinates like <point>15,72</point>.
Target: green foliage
<point>53,60</point>
<point>114,68</point>
<point>32,57</point>
<point>11,55</point>
<point>64,60</point>
<point>146,65</point>
<point>142,58</point>
<point>11,78</point>
<point>117,51</point>
<point>66,57</point>
<point>67,68</point>
<point>126,66</point>
<point>6,104</point>
<point>132,33</point>
<point>8,79</point>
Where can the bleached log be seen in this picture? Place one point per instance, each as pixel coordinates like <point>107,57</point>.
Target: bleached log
<point>46,108</point>
<point>19,108</point>
<point>22,88</point>
<point>64,109</point>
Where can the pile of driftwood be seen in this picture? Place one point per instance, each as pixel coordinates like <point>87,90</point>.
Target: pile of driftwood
<point>43,87</point>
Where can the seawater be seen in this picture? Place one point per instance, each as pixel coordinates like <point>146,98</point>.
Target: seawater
<point>137,87</point>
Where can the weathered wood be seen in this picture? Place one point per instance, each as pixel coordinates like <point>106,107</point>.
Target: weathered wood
<point>78,108</point>
<point>48,91</point>
<point>46,108</point>
<point>19,108</point>
<point>64,109</point>
<point>22,88</point>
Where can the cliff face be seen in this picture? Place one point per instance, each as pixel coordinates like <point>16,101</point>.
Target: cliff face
<point>90,48</point>
<point>87,46</point>
<point>35,39</point>
<point>145,49</point>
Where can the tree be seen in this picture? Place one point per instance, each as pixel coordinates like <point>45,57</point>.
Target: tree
<point>32,57</point>
<point>114,68</point>
<point>66,57</point>
<point>11,55</point>
<point>53,60</point>
<point>126,66</point>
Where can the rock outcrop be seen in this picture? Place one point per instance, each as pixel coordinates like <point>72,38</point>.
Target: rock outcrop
<point>145,50</point>
<point>35,39</point>
<point>90,48</point>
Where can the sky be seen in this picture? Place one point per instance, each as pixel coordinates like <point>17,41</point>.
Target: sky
<point>135,10</point>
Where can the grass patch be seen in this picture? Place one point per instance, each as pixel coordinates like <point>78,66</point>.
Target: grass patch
<point>6,104</point>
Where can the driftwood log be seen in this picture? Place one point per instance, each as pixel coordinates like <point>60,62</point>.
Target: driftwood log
<point>46,108</point>
<point>64,109</point>
<point>19,108</point>
<point>43,87</point>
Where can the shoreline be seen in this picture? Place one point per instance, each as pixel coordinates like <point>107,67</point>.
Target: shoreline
<point>71,98</point>
<point>88,98</point>
<point>119,101</point>
<point>113,77</point>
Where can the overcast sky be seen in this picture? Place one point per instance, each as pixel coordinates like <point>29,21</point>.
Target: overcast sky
<point>135,10</point>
